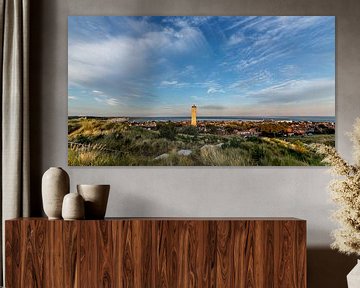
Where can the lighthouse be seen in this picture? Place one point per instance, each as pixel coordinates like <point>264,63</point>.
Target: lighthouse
<point>193,115</point>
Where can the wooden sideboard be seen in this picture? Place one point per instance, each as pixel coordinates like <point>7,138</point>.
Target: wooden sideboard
<point>156,252</point>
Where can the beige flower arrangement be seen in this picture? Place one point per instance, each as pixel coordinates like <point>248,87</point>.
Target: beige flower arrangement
<point>345,192</point>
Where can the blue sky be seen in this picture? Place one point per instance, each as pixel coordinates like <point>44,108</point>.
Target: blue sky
<point>227,66</point>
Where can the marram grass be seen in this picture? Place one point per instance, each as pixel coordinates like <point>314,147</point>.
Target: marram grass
<point>104,142</point>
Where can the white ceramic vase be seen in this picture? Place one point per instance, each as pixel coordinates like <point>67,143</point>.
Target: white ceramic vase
<point>73,207</point>
<point>55,185</point>
<point>353,278</point>
<point>96,198</point>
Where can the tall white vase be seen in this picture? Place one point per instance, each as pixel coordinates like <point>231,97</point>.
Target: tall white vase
<point>353,278</point>
<point>55,185</point>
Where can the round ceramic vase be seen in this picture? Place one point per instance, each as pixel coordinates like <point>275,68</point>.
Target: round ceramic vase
<point>73,207</point>
<point>96,198</point>
<point>55,185</point>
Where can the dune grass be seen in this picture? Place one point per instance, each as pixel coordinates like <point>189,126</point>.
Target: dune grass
<point>104,142</point>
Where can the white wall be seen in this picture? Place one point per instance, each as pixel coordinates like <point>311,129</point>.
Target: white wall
<point>263,191</point>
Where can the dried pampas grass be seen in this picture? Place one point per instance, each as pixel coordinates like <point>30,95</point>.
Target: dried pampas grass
<point>345,192</point>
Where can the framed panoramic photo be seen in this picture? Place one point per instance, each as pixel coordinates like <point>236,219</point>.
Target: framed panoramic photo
<point>200,91</point>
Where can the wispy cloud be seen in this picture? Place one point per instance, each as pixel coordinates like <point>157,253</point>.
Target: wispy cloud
<point>278,24</point>
<point>127,65</point>
<point>296,91</point>
<point>259,77</point>
<point>107,100</point>
<point>289,70</point>
<point>236,38</point>
<point>267,38</point>
<point>169,83</point>
<point>173,83</point>
<point>72,97</point>
<point>186,21</point>
<point>213,90</point>
<point>102,98</point>
<point>112,101</point>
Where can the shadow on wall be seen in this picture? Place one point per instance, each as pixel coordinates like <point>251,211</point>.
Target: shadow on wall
<point>328,268</point>
<point>37,12</point>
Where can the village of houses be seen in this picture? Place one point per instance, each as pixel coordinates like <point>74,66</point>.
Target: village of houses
<point>268,128</point>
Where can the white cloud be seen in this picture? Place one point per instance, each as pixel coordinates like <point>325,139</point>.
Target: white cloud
<point>188,21</point>
<point>112,101</point>
<point>235,39</point>
<point>107,100</point>
<point>126,57</point>
<point>126,64</point>
<point>266,40</point>
<point>129,69</point>
<point>296,91</point>
<point>187,71</point>
<point>289,68</point>
<point>72,97</point>
<point>262,54</point>
<point>169,83</point>
<point>259,77</point>
<point>213,90</point>
<point>242,21</point>
<point>279,24</point>
<point>174,84</point>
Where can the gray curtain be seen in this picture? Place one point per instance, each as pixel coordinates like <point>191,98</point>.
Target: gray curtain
<point>14,39</point>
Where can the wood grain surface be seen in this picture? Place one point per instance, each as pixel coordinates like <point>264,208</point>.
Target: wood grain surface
<point>159,252</point>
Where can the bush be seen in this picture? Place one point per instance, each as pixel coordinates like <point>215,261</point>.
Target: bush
<point>167,131</point>
<point>190,130</point>
<point>257,154</point>
<point>211,129</point>
<point>83,139</point>
<point>73,127</point>
<point>233,143</point>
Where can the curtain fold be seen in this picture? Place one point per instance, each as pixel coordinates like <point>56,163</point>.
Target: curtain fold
<point>14,40</point>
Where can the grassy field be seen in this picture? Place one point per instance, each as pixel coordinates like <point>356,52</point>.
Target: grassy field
<point>105,142</point>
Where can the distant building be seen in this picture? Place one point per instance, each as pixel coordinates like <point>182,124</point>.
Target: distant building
<point>193,115</point>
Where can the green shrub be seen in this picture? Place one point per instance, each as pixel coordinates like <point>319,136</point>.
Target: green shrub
<point>257,153</point>
<point>83,139</point>
<point>167,131</point>
<point>190,130</point>
<point>73,126</point>
<point>121,144</point>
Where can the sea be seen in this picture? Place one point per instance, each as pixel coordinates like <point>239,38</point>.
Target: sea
<point>237,118</point>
